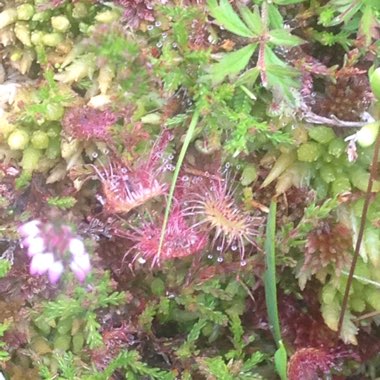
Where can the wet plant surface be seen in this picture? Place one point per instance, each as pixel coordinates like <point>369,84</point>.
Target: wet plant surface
<point>189,189</point>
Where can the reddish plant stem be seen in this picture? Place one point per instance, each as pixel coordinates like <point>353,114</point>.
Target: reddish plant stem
<point>361,232</point>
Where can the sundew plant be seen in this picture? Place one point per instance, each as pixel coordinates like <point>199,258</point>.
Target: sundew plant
<point>189,189</point>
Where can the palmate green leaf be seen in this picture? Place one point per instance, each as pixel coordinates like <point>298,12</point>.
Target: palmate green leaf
<point>225,15</point>
<point>232,63</point>
<point>276,20</point>
<point>284,38</point>
<point>280,76</point>
<point>368,24</point>
<point>252,19</point>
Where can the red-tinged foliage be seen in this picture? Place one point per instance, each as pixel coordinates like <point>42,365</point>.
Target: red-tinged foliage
<point>180,240</point>
<point>136,11</point>
<point>312,363</point>
<point>219,214</point>
<point>115,340</point>
<point>328,244</point>
<point>316,347</point>
<point>86,123</point>
<point>127,186</point>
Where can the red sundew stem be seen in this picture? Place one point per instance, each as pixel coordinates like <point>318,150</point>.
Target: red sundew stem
<point>361,232</point>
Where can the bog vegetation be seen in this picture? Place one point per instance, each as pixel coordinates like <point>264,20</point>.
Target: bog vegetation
<point>189,189</point>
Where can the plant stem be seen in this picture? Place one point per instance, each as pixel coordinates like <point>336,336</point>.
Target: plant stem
<point>185,146</point>
<point>361,232</point>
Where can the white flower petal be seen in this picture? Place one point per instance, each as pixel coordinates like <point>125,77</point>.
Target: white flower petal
<point>30,229</point>
<point>76,247</point>
<point>55,272</point>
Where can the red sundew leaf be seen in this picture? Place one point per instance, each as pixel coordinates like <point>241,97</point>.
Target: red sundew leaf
<point>85,123</point>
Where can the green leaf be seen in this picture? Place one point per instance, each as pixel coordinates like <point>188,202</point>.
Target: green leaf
<point>181,157</point>
<point>252,19</point>
<point>284,38</point>
<point>275,18</point>
<point>368,24</point>
<point>270,273</point>
<point>280,361</point>
<point>232,63</point>
<point>271,290</point>
<point>62,202</point>
<point>225,15</point>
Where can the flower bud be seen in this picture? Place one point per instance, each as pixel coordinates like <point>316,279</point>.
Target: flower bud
<point>30,159</point>
<point>374,80</point>
<point>79,10</point>
<point>60,23</point>
<point>54,112</point>
<point>36,37</point>
<point>40,140</point>
<point>366,136</point>
<point>107,17</point>
<point>52,39</point>
<point>18,139</point>
<point>7,17</point>
<point>25,12</point>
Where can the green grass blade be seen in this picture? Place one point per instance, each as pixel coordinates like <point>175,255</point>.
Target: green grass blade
<point>185,146</point>
<point>271,291</point>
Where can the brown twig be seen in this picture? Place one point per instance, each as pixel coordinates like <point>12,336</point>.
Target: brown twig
<point>313,118</point>
<point>361,232</point>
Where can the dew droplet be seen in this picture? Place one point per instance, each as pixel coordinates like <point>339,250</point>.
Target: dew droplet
<point>141,260</point>
<point>171,156</point>
<point>94,155</point>
<point>150,27</point>
<point>157,23</point>
<point>238,167</point>
<point>210,257</point>
<point>124,170</point>
<point>234,247</point>
<point>164,35</point>
<point>174,45</point>
<point>220,259</point>
<point>171,137</point>
<point>185,178</point>
<point>227,165</point>
<point>243,263</point>
<point>219,248</point>
<point>149,6</point>
<point>159,44</point>
<point>105,151</point>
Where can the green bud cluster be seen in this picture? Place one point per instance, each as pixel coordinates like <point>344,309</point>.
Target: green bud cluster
<point>330,171</point>
<point>44,34</point>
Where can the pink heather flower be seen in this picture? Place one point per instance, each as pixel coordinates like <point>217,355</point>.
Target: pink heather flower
<point>35,245</point>
<point>41,262</point>
<point>30,229</point>
<point>81,266</point>
<point>55,272</point>
<point>76,247</point>
<point>50,246</point>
